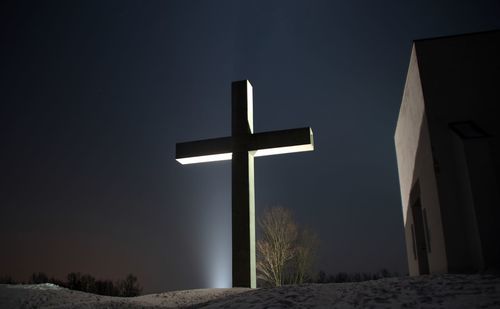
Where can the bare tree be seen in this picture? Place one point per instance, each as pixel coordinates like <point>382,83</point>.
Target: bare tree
<point>285,252</point>
<point>276,248</point>
<point>301,264</point>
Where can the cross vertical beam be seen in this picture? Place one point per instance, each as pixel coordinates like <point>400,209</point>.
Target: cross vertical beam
<point>241,147</point>
<point>243,196</point>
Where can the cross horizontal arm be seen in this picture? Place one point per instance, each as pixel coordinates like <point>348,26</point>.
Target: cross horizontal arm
<point>262,144</point>
<point>283,141</point>
<point>215,149</point>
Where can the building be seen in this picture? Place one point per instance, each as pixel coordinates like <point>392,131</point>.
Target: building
<point>448,154</point>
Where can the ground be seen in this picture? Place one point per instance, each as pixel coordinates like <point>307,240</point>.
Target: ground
<point>443,291</point>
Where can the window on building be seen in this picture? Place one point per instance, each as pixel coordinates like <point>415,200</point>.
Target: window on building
<point>414,242</point>
<point>467,129</point>
<point>427,231</point>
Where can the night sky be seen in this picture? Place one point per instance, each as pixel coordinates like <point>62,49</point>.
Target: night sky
<point>95,94</point>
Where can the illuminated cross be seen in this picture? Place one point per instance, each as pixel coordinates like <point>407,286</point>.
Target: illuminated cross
<point>241,148</point>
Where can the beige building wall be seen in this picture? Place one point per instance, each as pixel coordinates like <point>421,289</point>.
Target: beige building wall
<point>407,133</point>
<point>448,154</point>
<point>416,168</point>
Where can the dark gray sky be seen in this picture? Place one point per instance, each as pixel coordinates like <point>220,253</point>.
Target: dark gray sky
<point>95,94</point>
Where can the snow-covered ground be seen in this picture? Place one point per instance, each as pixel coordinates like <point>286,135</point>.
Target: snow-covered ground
<point>48,295</point>
<point>444,291</point>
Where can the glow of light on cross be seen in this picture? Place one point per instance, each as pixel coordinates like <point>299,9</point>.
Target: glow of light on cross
<point>209,158</point>
<point>282,150</point>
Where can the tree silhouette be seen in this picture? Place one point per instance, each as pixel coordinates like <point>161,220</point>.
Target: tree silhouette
<point>39,277</point>
<point>130,286</point>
